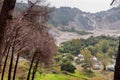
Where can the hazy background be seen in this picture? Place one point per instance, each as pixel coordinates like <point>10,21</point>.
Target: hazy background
<point>84,5</point>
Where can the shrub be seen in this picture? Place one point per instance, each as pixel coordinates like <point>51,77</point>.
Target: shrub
<point>69,67</point>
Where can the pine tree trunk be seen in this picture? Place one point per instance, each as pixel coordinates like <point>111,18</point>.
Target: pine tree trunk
<point>28,77</point>
<point>5,14</point>
<point>11,62</point>
<point>35,69</point>
<point>117,66</point>
<point>5,63</point>
<point>15,69</point>
<point>12,55</point>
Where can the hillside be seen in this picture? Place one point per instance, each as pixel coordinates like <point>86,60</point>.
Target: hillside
<point>66,18</point>
<point>69,22</point>
<point>73,18</point>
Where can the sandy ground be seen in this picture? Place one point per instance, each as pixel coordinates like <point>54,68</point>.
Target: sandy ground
<point>66,36</point>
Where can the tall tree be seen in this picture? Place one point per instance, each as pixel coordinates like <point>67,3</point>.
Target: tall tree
<point>5,14</point>
<point>87,58</point>
<point>117,65</point>
<point>104,59</point>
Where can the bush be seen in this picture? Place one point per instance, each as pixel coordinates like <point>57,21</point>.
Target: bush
<point>69,67</point>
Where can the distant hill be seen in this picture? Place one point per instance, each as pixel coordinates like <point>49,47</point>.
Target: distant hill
<point>66,18</point>
<point>69,18</point>
<point>72,23</point>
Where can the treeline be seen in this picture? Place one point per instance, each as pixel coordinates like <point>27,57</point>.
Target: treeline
<point>100,44</point>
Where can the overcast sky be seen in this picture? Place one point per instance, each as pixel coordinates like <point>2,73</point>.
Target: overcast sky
<point>85,5</point>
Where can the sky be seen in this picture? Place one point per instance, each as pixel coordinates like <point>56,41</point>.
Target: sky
<point>84,5</point>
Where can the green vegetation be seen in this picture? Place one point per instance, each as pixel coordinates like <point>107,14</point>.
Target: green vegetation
<point>104,59</point>
<point>71,47</point>
<point>64,67</point>
<point>75,76</point>
<point>87,58</point>
<point>68,66</point>
<point>72,29</point>
<point>102,44</point>
<point>82,75</point>
<point>83,32</point>
<point>104,48</point>
<point>52,77</point>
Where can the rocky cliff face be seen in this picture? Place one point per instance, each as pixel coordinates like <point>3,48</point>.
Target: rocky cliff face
<point>66,17</point>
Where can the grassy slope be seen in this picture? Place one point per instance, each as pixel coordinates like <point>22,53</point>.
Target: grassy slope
<point>75,76</point>
<point>78,75</point>
<point>60,77</point>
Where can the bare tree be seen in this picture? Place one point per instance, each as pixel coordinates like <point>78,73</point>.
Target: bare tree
<point>35,68</point>
<point>22,34</point>
<point>5,14</point>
